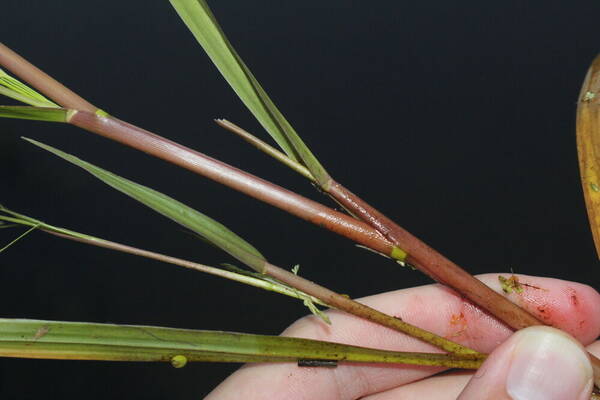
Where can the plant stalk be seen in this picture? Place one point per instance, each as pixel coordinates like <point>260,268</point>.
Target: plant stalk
<point>327,296</point>
<point>232,177</point>
<point>434,264</point>
<point>355,308</point>
<point>92,341</point>
<point>419,254</point>
<point>266,148</point>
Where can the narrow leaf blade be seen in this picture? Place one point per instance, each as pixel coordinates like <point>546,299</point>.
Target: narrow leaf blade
<point>202,23</point>
<point>213,231</point>
<point>239,275</point>
<point>15,89</point>
<point>35,113</point>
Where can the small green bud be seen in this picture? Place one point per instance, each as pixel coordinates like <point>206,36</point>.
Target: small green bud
<point>179,361</point>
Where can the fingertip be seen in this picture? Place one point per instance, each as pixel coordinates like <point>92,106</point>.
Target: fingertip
<point>569,306</point>
<point>584,302</point>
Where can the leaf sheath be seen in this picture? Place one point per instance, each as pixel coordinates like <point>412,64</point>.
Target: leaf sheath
<point>92,341</point>
<point>232,177</point>
<point>433,264</point>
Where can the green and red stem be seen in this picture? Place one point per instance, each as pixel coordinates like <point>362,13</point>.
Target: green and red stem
<point>232,177</point>
<point>432,263</point>
<point>386,237</point>
<point>414,251</point>
<point>350,306</point>
<point>327,296</point>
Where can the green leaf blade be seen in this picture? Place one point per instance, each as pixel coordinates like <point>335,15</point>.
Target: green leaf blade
<point>213,231</point>
<point>233,273</point>
<point>15,89</point>
<point>35,113</point>
<point>202,23</point>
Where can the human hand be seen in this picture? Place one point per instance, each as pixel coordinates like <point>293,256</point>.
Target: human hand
<point>534,363</point>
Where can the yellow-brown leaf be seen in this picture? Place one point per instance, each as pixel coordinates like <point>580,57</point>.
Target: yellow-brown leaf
<point>588,146</point>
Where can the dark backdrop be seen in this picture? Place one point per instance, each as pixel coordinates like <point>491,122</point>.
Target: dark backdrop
<point>455,118</point>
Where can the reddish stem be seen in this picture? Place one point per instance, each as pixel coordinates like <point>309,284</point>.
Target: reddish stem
<point>42,81</point>
<point>433,263</point>
<point>355,308</point>
<point>235,178</point>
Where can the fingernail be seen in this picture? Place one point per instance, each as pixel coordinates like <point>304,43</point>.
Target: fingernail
<point>547,364</point>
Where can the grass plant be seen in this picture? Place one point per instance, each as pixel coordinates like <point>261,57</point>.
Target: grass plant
<point>48,100</point>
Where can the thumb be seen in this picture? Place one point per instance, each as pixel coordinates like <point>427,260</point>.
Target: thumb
<point>535,363</point>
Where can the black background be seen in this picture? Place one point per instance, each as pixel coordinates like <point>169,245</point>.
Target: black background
<point>454,118</point>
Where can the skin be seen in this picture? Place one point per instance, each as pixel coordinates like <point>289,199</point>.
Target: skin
<point>570,306</point>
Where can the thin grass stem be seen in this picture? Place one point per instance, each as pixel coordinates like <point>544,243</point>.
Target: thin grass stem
<point>306,288</point>
<point>21,236</point>
<point>360,310</point>
<point>266,148</point>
